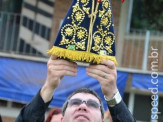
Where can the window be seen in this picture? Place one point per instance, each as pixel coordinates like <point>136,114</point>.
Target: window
<point>3,103</point>
<point>160,109</point>
<point>11,6</point>
<point>142,107</point>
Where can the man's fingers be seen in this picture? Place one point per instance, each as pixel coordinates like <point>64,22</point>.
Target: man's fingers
<point>60,67</point>
<point>63,67</point>
<point>95,71</point>
<point>62,73</point>
<point>109,64</point>
<point>62,62</point>
<point>98,77</point>
<point>99,68</point>
<point>65,62</point>
<point>53,57</point>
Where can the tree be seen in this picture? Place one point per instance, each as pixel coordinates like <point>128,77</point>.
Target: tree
<point>147,14</point>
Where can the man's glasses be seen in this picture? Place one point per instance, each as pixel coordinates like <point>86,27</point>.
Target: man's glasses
<point>89,103</point>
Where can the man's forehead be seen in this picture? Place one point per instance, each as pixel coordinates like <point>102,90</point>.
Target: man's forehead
<point>84,96</point>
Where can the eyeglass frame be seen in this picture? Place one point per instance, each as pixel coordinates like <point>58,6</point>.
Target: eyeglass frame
<point>86,102</point>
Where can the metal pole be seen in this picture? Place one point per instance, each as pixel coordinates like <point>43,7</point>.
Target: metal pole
<point>131,102</point>
<point>8,16</point>
<point>13,33</point>
<point>1,26</point>
<point>129,16</point>
<point>146,45</point>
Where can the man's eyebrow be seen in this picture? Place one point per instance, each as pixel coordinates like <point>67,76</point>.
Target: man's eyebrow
<point>95,100</point>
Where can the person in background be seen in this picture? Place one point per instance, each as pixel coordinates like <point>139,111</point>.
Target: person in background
<point>107,116</point>
<point>55,115</point>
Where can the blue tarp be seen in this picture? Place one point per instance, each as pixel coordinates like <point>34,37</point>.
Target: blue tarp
<point>20,80</point>
<point>147,81</point>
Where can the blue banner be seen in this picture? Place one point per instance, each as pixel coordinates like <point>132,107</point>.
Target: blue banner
<point>148,81</point>
<point>20,80</point>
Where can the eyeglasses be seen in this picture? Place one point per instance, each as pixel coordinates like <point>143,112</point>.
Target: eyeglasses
<point>89,103</point>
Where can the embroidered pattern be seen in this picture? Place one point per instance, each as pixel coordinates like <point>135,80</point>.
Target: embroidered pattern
<point>75,36</point>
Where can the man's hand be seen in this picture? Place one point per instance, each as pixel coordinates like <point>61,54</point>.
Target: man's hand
<point>56,70</point>
<point>106,74</point>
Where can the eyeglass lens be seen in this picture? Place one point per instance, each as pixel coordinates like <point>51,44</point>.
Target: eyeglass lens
<point>89,103</point>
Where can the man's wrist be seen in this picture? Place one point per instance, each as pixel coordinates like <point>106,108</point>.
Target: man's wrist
<point>116,99</point>
<point>46,93</point>
<point>110,94</point>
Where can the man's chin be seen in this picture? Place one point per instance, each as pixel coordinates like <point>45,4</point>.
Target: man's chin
<point>81,119</point>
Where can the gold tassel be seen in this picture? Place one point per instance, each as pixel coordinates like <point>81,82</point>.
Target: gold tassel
<point>79,55</point>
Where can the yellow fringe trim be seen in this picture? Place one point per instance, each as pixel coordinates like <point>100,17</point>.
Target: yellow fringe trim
<point>79,55</point>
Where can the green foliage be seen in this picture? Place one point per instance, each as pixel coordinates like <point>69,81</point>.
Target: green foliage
<point>147,14</point>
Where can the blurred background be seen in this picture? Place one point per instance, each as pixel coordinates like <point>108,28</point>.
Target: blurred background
<point>28,29</point>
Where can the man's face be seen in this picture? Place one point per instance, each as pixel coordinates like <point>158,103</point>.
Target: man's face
<point>83,112</point>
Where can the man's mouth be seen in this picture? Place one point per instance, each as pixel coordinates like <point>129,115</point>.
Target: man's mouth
<point>81,116</point>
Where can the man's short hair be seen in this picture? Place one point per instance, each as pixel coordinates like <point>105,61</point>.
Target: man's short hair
<point>87,91</point>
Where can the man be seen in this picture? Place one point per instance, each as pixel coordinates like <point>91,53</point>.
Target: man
<point>80,106</point>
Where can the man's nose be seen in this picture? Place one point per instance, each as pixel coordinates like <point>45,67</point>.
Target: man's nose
<point>83,106</point>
